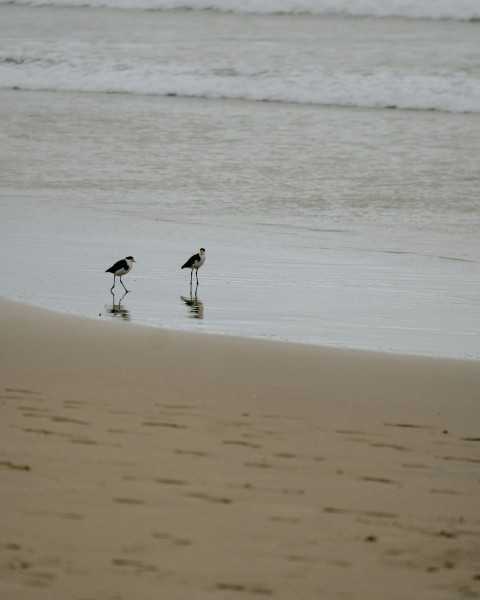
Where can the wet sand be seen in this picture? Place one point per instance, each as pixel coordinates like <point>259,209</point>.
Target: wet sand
<point>142,463</point>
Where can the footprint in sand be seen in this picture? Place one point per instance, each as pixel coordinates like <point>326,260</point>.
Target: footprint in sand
<point>46,432</point>
<point>239,587</point>
<point>378,480</point>
<point>21,392</point>
<point>136,565</point>
<point>408,425</point>
<point>41,579</point>
<point>259,465</point>
<point>285,455</point>
<point>56,419</point>
<point>195,453</point>
<point>163,424</point>
<point>156,535</point>
<point>460,459</point>
<point>14,466</point>
<point>360,513</point>
<point>161,480</point>
<point>289,520</point>
<point>210,498</point>
<point>391,446</point>
<point>241,443</point>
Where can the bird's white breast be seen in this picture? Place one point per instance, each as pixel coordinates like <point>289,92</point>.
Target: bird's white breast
<point>123,270</point>
<point>199,263</point>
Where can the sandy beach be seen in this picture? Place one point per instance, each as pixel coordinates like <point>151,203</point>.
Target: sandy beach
<point>144,463</point>
<point>304,425</point>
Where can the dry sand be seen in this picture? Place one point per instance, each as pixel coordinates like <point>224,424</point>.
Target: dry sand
<point>138,463</point>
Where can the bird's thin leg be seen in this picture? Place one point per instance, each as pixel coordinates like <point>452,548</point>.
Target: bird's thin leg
<point>122,284</point>
<point>113,283</point>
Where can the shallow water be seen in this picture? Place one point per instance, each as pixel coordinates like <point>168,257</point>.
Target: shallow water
<point>327,218</point>
<point>158,178</point>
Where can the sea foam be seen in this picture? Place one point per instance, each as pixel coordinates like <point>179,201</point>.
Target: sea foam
<point>381,88</point>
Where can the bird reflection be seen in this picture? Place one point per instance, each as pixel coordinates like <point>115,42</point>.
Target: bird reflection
<point>117,310</point>
<point>196,307</point>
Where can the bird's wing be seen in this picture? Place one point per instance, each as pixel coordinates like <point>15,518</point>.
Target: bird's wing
<point>121,264</point>
<point>191,261</point>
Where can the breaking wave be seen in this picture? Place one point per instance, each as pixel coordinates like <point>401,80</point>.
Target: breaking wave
<point>460,10</point>
<point>379,89</point>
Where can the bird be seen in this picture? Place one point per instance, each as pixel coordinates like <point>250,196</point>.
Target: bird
<point>122,267</point>
<point>195,262</point>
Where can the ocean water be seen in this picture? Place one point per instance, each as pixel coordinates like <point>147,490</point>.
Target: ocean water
<point>326,154</point>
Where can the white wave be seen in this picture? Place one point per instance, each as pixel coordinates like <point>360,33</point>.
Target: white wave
<point>379,89</point>
<point>463,10</point>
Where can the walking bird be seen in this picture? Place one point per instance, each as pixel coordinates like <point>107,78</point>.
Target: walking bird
<point>122,267</point>
<point>195,262</point>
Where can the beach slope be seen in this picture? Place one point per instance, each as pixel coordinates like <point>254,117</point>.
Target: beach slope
<point>141,463</point>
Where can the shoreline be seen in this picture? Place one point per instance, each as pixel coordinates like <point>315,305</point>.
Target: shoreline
<point>234,336</point>
<point>216,467</point>
<point>243,101</point>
